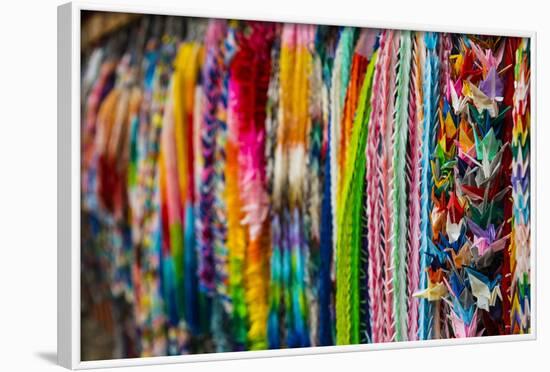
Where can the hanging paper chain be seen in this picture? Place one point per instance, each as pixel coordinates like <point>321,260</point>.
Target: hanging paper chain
<point>251,185</point>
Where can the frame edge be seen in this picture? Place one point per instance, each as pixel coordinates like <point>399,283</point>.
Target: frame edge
<point>64,251</point>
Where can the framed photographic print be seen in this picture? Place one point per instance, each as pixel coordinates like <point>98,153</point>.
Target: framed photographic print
<point>244,187</point>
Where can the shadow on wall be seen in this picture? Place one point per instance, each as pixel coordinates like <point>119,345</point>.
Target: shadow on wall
<point>48,356</point>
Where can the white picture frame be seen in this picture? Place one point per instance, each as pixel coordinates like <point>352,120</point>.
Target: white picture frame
<point>68,198</point>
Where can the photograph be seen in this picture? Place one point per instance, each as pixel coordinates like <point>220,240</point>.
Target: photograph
<point>256,185</point>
